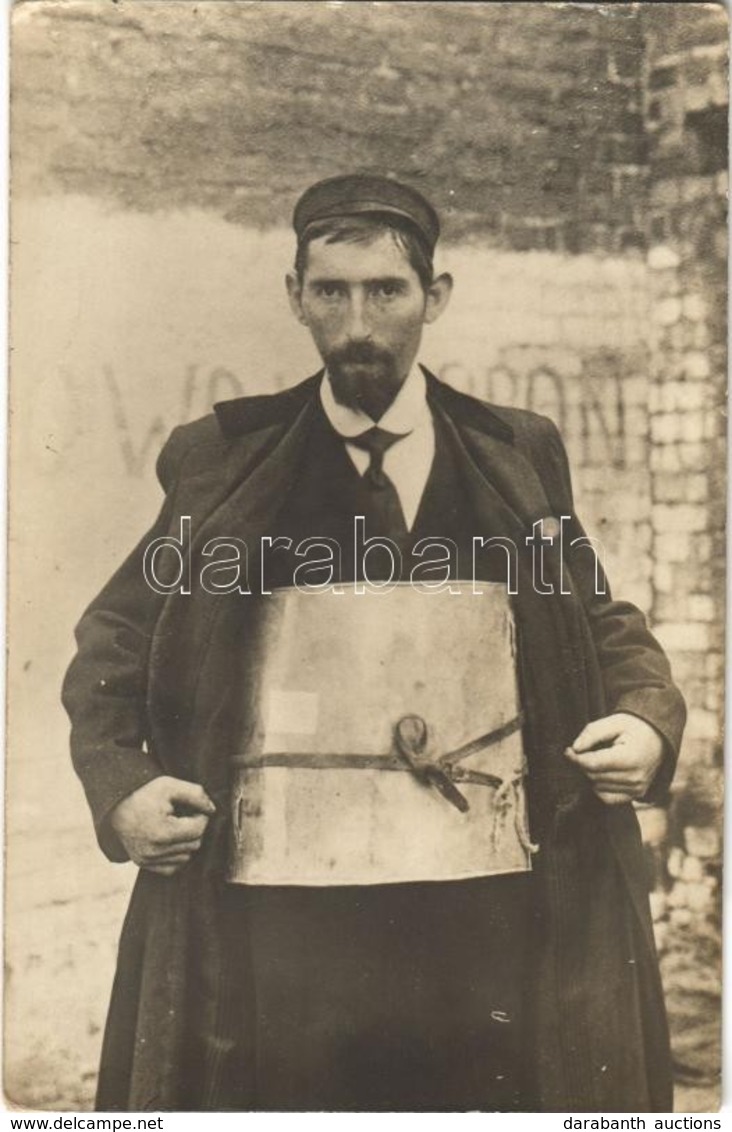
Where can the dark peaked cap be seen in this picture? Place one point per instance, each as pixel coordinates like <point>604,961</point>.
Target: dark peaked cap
<point>356,193</point>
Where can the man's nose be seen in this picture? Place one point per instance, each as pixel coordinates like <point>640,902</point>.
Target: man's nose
<point>359,323</point>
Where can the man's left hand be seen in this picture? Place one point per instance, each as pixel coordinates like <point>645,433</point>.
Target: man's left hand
<point>620,754</point>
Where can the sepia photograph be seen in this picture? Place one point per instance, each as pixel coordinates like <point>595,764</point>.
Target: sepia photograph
<point>366,568</point>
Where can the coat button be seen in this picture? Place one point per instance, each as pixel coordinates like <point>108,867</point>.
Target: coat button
<point>550,527</point>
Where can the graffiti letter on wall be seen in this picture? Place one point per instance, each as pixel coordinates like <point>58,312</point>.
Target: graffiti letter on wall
<point>602,404</point>
<point>220,375</point>
<point>135,461</point>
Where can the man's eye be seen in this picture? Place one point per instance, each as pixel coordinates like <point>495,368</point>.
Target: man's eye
<point>386,290</point>
<point>328,290</point>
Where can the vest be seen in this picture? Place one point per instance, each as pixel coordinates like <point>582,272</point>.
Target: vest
<point>329,493</point>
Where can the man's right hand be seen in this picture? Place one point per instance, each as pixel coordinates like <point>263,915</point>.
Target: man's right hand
<point>161,824</point>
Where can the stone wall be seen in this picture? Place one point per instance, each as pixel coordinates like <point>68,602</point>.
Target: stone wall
<point>686,99</point>
<point>685,111</point>
<point>524,125</point>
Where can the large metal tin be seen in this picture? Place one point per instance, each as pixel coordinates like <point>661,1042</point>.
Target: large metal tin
<point>327,792</point>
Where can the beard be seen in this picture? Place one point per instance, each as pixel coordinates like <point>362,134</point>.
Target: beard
<point>363,376</point>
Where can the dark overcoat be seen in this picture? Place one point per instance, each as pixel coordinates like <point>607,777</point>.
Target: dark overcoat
<point>150,693</point>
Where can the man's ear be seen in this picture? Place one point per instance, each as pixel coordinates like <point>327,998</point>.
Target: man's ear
<point>294,294</point>
<point>438,296</point>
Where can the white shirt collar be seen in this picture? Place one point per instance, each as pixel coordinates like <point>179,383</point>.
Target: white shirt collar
<point>407,411</point>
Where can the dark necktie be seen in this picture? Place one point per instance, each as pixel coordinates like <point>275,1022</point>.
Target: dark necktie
<point>386,510</point>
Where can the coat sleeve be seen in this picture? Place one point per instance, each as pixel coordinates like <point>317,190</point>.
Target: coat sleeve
<point>104,691</point>
<point>636,672</point>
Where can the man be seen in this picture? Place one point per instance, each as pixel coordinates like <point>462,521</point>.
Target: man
<point>470,972</point>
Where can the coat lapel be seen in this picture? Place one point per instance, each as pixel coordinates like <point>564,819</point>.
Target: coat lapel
<point>490,442</point>
<point>253,430</point>
<point>507,497</point>
<point>241,501</point>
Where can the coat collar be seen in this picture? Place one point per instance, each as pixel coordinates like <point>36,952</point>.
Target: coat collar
<point>248,414</point>
<point>466,410</point>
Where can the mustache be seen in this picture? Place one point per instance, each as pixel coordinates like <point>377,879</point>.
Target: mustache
<point>359,353</point>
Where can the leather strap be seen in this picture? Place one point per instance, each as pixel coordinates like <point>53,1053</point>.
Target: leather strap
<point>392,762</point>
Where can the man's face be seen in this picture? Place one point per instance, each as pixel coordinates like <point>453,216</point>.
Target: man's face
<point>365,307</point>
